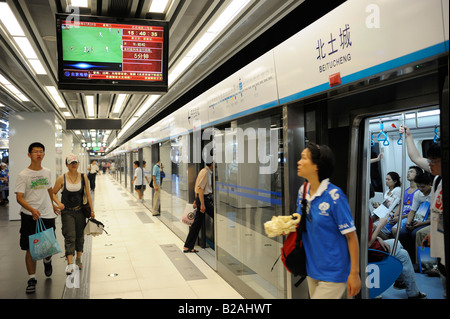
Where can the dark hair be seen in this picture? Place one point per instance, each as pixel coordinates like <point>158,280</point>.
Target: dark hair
<point>323,157</point>
<point>137,163</point>
<point>396,178</point>
<point>434,151</point>
<point>417,169</point>
<point>143,163</point>
<point>208,163</point>
<point>35,144</point>
<point>423,178</point>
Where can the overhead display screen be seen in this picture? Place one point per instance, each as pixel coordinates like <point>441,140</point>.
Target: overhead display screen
<point>97,53</point>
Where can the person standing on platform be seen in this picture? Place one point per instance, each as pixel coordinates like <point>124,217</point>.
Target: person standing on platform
<point>156,176</point>
<point>330,241</point>
<point>204,203</point>
<point>74,186</point>
<point>93,169</point>
<point>34,194</point>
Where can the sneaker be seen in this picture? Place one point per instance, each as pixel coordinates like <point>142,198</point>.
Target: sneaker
<point>31,287</point>
<point>421,295</point>
<point>79,263</point>
<point>69,269</point>
<point>48,269</point>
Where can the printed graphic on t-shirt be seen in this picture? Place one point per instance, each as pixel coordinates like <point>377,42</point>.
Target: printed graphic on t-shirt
<point>39,183</point>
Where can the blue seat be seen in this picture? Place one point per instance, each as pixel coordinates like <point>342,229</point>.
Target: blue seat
<point>382,274</point>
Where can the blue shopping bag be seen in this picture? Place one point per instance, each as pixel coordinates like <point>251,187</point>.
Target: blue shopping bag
<point>43,243</point>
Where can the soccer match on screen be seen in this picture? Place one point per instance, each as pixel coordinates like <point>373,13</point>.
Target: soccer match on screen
<point>92,44</point>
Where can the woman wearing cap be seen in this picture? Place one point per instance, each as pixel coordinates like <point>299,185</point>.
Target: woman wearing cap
<point>74,185</point>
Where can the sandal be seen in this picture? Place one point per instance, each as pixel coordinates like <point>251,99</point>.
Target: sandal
<point>79,263</point>
<point>190,250</point>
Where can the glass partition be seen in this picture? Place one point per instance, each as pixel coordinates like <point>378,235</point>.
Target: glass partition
<point>249,191</point>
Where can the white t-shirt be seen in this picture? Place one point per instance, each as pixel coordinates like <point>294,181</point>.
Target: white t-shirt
<point>418,199</point>
<point>139,174</point>
<point>34,185</point>
<point>437,223</point>
<point>93,168</point>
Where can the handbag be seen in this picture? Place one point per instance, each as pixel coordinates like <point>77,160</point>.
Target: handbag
<point>94,227</point>
<point>293,253</point>
<point>43,243</point>
<point>85,207</point>
<point>189,214</point>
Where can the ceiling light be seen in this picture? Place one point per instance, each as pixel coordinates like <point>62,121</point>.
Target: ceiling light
<point>9,20</point>
<point>67,114</point>
<point>12,89</point>
<point>127,127</point>
<point>147,105</point>
<point>79,3</point>
<point>113,143</point>
<point>37,66</point>
<point>29,53</point>
<point>55,96</point>
<point>90,105</point>
<point>25,47</point>
<point>158,6</point>
<point>119,103</point>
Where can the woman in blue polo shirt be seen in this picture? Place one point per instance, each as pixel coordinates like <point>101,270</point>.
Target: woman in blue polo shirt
<point>331,245</point>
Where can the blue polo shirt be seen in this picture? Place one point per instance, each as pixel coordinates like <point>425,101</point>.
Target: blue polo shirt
<point>157,173</point>
<point>329,219</point>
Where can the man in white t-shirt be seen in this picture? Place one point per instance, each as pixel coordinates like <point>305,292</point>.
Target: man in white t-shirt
<point>138,181</point>
<point>35,195</point>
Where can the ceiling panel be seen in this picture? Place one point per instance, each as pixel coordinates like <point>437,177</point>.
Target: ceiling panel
<point>188,20</point>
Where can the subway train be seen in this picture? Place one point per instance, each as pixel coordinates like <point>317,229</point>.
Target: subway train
<point>349,80</point>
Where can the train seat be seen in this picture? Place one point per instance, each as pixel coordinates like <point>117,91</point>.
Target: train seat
<point>384,274</point>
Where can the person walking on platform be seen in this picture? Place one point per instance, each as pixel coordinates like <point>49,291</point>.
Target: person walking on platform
<point>34,194</point>
<point>138,180</point>
<point>330,241</point>
<point>156,176</point>
<point>93,169</point>
<point>204,203</point>
<point>74,186</point>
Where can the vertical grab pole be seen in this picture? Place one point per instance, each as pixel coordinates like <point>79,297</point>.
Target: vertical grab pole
<point>402,199</point>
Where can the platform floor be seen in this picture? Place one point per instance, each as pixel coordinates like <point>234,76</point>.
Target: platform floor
<point>140,258</point>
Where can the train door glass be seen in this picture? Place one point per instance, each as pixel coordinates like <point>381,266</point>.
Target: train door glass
<point>178,170</point>
<point>387,159</point>
<point>134,157</point>
<point>166,185</point>
<point>249,192</point>
<point>122,169</point>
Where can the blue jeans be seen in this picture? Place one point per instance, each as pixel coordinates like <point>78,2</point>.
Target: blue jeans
<point>407,276</point>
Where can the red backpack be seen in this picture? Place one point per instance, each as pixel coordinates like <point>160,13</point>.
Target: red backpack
<point>293,252</point>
